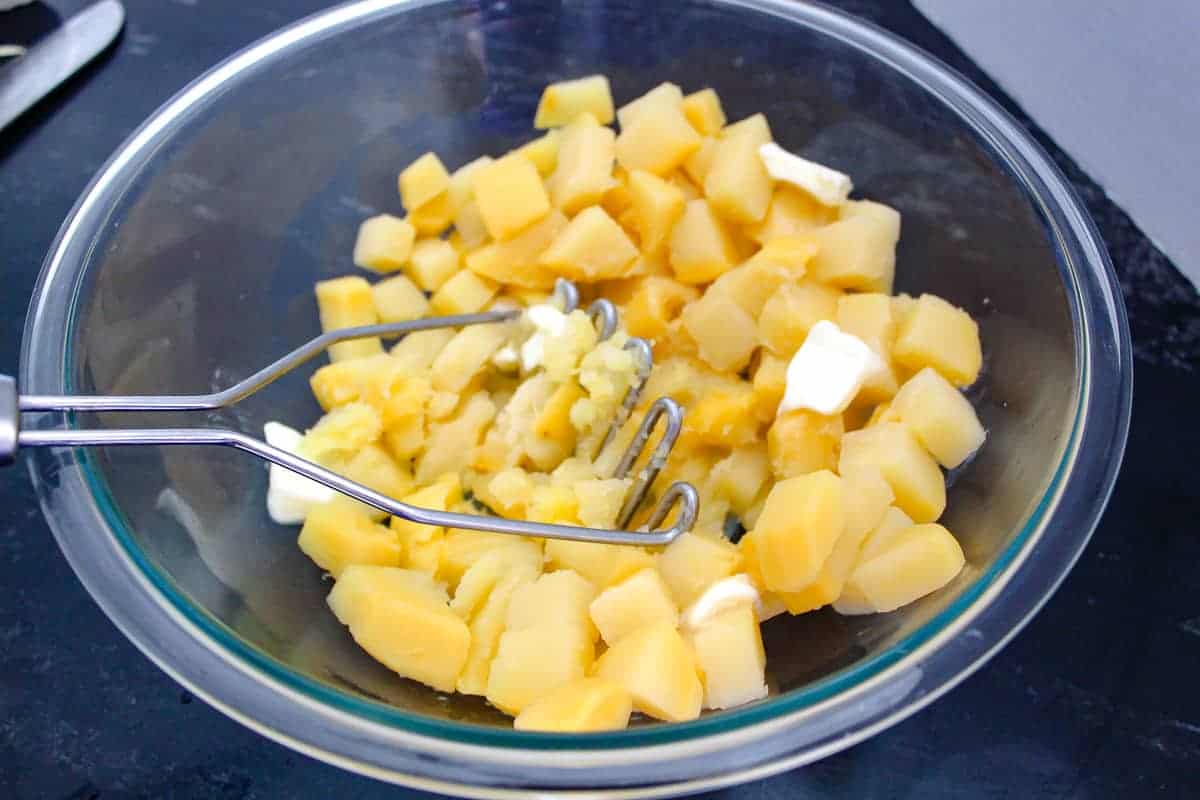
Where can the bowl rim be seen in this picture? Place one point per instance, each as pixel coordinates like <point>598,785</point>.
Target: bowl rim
<point>836,712</point>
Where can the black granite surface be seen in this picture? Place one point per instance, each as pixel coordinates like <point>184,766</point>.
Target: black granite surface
<point>1098,697</point>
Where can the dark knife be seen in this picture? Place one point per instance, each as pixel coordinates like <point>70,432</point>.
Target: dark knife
<point>49,62</point>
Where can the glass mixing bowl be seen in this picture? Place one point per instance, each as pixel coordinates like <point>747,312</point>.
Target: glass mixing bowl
<point>189,263</point>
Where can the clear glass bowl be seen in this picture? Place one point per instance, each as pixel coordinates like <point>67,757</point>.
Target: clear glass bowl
<point>189,262</point>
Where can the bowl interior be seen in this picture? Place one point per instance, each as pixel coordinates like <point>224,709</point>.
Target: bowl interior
<point>203,272</point>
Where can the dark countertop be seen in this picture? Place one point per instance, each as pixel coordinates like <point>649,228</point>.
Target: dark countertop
<point>1097,697</point>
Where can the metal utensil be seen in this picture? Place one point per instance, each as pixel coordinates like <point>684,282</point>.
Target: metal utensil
<point>46,64</point>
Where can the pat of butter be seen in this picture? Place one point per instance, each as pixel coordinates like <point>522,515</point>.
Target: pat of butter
<point>828,186</point>
<point>547,321</point>
<point>290,496</point>
<point>721,596</point>
<point>507,358</point>
<point>828,370</point>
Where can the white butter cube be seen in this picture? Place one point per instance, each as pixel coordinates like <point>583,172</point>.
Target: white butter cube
<point>290,496</point>
<point>547,321</point>
<point>828,186</point>
<point>720,597</point>
<point>827,371</point>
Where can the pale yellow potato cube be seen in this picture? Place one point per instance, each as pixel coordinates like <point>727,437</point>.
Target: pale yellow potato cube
<point>465,355</point>
<point>398,299</point>
<point>799,525</point>
<point>791,213</point>
<point>347,303</point>
<point>423,544</point>
<point>893,523</point>
<point>658,669</point>
<point>591,247</point>
<point>657,205</point>
<point>433,262</point>
<point>600,500</point>
<point>701,246</point>
<point>913,474</point>
<point>337,534</point>
<point>601,564</point>
<point>433,218</point>
<point>510,195</point>
<point>451,444</point>
<point>654,304</point>
<point>469,228</point>
<point>790,313</point>
<point>868,497</point>
<point>723,417</point>
<point>693,562</point>
<point>665,94</point>
<point>859,250</point>
<point>555,505</point>
<point>790,253</point>
<point>341,382</point>
<point>703,110</point>
<point>803,441</point>
<point>740,476</point>
<point>770,382</point>
<point>939,335</point>
<point>542,152</point>
<point>506,492</point>
<point>462,182</point>
<point>516,261</point>
<point>657,140</point>
<point>751,285</point>
<point>724,333</point>
<point>464,293</point>
<point>869,317</point>
<point>417,350</point>
<point>531,663</point>
<point>402,619</point>
<point>641,599</point>
<point>584,171</point>
<point>730,654</point>
<point>556,599</point>
<point>384,243</point>
<point>941,418</point>
<point>564,101</point>
<point>375,468</point>
<point>422,181</point>
<point>920,560</point>
<point>737,184</point>
<point>582,706</point>
<point>700,161</point>
<point>342,432</point>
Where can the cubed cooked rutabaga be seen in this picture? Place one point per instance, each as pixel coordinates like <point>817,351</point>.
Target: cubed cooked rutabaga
<point>820,412</point>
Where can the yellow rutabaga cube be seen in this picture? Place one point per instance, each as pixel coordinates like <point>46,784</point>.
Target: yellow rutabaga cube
<point>725,334</point>
<point>556,599</point>
<point>723,416</point>
<point>584,705</point>
<point>665,94</point>
<point>531,663</point>
<point>893,523</point>
<point>703,110</point>
<point>433,218</point>
<point>791,213</point>
<point>562,102</point>
<point>585,164</point>
<point>655,302</point>
<point>347,303</point>
<point>432,263</point>
<point>657,205</point>
<point>337,534</point>
<point>465,355</point>
<point>542,152</point>
<point>799,525</point>
<point>384,243</point>
<point>803,441</point>
<point>939,335</point>
<point>397,299</point>
<point>342,381</point>
<point>941,418</point>
<point>553,504</point>
<point>698,164</point>
<point>657,140</point>
<point>701,246</point>
<point>600,500</point>
<point>913,474</point>
<point>737,184</point>
<point>464,293</point>
<point>516,260</point>
<point>402,619</point>
<point>658,669</point>
<point>451,444</point>
<point>730,654</point>
<point>601,564</point>
<point>422,181</point>
<point>919,560</point>
<point>770,382</point>
<point>374,467</point>
<point>423,544</point>
<point>342,432</point>
<point>790,313</point>
<point>510,195</point>
<point>789,254</point>
<point>641,599</point>
<point>693,562</point>
<point>590,248</point>
<point>859,250</point>
<point>740,476</point>
<point>417,351</point>
<point>507,492</point>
